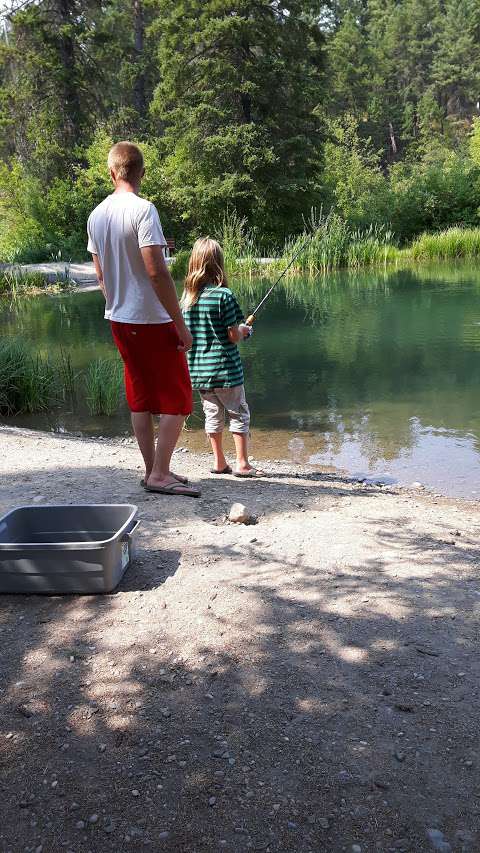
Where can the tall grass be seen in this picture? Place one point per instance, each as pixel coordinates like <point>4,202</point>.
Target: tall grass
<point>16,282</point>
<point>240,248</point>
<point>335,245</point>
<point>28,382</point>
<point>68,377</point>
<point>452,243</point>
<point>103,381</point>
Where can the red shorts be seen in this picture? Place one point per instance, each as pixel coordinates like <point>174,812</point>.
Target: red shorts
<point>156,373</point>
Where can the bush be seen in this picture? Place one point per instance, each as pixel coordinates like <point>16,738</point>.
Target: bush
<point>440,190</point>
<point>353,184</point>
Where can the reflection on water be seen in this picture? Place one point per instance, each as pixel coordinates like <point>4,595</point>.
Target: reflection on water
<point>377,373</point>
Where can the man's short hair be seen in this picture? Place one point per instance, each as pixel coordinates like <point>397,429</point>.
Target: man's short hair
<point>126,160</point>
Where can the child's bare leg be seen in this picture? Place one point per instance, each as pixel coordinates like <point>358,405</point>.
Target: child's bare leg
<point>219,461</point>
<point>241,447</point>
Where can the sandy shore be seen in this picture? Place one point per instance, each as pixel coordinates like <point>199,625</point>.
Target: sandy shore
<point>309,683</point>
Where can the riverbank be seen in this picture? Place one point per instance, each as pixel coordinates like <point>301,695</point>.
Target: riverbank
<point>306,683</point>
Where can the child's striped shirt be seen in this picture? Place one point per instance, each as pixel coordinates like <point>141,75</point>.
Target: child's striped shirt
<point>214,361</point>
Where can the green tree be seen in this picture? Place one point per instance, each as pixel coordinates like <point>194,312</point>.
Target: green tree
<point>353,182</point>
<point>238,101</point>
<point>456,65</point>
<point>348,67</point>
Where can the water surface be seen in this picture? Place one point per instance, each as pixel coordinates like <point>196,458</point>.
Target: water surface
<point>377,374</point>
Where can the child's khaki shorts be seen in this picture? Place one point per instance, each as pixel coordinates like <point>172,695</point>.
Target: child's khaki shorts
<point>217,401</point>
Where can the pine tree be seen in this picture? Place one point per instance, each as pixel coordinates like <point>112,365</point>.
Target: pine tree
<point>240,82</point>
<point>456,65</point>
<point>348,67</point>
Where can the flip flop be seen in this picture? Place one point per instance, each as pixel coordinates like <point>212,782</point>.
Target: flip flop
<point>183,480</point>
<point>249,475</point>
<point>226,470</point>
<point>174,489</point>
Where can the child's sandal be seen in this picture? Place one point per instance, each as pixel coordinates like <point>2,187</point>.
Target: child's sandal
<point>226,470</point>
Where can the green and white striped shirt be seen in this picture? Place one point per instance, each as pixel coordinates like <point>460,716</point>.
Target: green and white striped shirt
<point>214,361</point>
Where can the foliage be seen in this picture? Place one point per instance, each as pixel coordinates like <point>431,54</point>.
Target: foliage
<point>103,382</point>
<point>353,183</point>
<point>237,100</point>
<point>27,381</point>
<point>255,110</point>
<point>335,245</point>
<point>16,282</point>
<point>447,245</point>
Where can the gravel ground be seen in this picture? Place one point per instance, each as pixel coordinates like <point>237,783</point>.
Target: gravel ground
<point>307,683</point>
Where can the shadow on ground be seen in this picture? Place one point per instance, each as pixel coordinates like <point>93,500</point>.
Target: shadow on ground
<point>239,701</point>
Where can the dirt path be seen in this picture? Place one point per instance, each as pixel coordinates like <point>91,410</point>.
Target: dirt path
<point>309,683</point>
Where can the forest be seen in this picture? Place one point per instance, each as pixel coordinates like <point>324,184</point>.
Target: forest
<point>260,109</point>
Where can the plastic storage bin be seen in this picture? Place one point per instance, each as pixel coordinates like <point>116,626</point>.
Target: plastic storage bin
<point>66,549</point>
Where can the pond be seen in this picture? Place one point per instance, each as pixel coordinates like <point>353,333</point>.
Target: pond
<point>377,374</point>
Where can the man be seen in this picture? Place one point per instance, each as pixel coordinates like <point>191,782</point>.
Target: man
<point>126,240</point>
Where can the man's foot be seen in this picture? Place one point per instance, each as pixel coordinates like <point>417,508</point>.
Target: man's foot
<point>247,471</point>
<point>177,477</point>
<point>171,486</point>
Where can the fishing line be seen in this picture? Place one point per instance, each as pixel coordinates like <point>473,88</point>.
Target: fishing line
<point>251,319</point>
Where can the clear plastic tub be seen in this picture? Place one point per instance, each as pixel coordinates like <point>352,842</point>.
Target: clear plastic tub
<point>66,549</point>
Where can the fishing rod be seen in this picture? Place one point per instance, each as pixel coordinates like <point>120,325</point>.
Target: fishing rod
<point>251,319</point>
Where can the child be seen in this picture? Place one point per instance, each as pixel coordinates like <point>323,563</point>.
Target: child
<point>216,323</point>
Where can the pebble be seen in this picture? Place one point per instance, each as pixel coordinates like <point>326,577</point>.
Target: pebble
<point>135,793</point>
<point>323,823</point>
<point>163,835</point>
<point>165,712</point>
<point>356,848</point>
<point>93,818</point>
<point>437,840</point>
<point>212,801</point>
<point>240,514</point>
<point>80,824</point>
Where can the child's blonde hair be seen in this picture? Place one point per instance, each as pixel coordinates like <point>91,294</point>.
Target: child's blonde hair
<point>204,267</point>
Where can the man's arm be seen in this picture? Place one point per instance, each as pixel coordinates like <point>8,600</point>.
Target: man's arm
<point>99,273</point>
<point>164,288</point>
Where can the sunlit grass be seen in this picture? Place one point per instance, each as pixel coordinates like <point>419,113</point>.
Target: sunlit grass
<point>447,245</point>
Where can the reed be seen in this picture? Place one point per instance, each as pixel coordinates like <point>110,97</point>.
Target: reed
<point>103,382</point>
<point>335,245</point>
<point>66,373</point>
<point>240,248</point>
<point>450,244</point>
<point>28,382</point>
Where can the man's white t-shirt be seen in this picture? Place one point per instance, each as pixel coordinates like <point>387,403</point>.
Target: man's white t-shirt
<point>117,229</point>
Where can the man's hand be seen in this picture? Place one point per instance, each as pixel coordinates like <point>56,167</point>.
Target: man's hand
<point>185,338</point>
